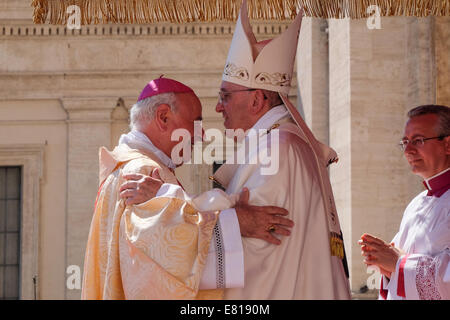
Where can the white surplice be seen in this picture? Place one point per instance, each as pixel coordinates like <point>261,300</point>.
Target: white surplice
<point>424,235</point>
<point>302,267</point>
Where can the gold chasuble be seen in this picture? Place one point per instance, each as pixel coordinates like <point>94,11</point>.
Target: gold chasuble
<point>154,250</point>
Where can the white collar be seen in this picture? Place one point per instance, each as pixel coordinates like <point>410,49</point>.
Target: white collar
<point>138,140</point>
<point>270,117</point>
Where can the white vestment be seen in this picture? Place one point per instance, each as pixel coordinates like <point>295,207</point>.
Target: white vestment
<point>424,235</point>
<point>302,267</point>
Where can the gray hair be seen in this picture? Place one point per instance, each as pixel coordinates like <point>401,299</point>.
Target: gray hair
<point>443,113</point>
<point>273,98</point>
<point>142,112</point>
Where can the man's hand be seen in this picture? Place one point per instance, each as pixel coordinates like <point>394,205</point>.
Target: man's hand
<point>255,221</point>
<point>379,253</point>
<point>140,188</point>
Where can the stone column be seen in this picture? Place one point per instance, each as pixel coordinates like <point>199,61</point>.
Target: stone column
<point>89,127</point>
<point>340,125</point>
<point>441,37</point>
<point>420,61</point>
<point>312,75</point>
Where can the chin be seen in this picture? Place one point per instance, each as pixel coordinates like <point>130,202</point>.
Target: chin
<point>418,171</point>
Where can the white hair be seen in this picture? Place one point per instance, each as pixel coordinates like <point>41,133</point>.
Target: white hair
<point>142,112</point>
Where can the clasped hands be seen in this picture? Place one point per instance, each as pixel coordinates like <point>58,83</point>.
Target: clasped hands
<point>260,222</point>
<point>379,253</point>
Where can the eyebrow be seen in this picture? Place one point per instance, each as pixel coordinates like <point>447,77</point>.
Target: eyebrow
<point>414,136</point>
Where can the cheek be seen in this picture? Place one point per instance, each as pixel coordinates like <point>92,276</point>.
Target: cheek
<point>189,126</point>
<point>227,109</point>
<point>178,132</point>
<point>182,124</point>
<point>429,157</point>
<point>235,113</point>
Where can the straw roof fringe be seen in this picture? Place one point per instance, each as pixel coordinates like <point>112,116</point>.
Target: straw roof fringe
<point>179,11</point>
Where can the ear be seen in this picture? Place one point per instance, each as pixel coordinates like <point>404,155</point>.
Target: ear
<point>258,102</point>
<point>162,115</point>
<point>447,145</point>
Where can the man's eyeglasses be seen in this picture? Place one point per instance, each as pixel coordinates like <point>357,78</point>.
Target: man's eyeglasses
<point>417,142</point>
<point>224,94</point>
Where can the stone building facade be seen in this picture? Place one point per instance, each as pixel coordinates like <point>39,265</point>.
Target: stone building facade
<point>64,93</point>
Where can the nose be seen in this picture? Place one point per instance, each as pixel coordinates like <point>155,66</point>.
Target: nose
<point>219,107</point>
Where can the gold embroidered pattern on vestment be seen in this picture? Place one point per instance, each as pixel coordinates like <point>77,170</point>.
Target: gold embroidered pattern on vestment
<point>337,245</point>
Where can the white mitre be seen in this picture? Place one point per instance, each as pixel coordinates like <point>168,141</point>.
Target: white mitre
<point>269,69</point>
<point>269,65</point>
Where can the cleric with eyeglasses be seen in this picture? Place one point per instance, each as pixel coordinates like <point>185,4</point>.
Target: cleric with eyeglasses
<point>416,264</point>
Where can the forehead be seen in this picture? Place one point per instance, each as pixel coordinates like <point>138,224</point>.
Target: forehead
<point>229,86</point>
<point>423,125</point>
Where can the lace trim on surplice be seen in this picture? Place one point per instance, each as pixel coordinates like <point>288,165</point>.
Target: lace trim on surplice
<point>425,279</point>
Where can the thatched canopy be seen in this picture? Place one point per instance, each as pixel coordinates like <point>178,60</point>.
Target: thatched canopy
<point>150,11</point>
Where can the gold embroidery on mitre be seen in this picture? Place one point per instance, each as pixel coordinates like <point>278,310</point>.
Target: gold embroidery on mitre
<point>274,79</point>
<point>337,245</point>
<point>234,71</point>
